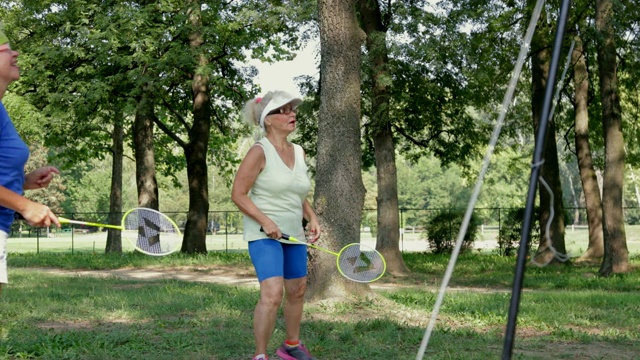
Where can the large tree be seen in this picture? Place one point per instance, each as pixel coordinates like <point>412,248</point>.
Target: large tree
<point>380,130</point>
<point>339,192</point>
<point>588,176</point>
<point>114,237</point>
<point>551,194</point>
<point>616,254</point>
<point>411,93</point>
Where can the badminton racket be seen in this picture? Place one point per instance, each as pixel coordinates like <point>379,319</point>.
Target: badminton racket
<point>356,262</point>
<point>149,231</point>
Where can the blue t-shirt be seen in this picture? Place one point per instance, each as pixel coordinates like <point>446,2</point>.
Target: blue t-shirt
<point>14,154</point>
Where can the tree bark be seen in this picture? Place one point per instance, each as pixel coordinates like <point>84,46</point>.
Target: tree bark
<point>114,237</point>
<point>549,170</point>
<point>196,153</point>
<point>388,212</point>
<point>616,254</point>
<point>143,126</point>
<point>590,187</point>
<point>339,193</point>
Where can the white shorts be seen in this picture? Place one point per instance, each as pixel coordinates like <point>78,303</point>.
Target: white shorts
<point>3,257</point>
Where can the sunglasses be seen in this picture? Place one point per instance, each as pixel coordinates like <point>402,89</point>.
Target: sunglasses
<point>283,110</point>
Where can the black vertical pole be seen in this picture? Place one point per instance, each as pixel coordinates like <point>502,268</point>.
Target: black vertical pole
<point>533,180</point>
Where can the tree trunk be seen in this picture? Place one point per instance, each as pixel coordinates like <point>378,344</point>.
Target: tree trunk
<point>339,193</point>
<point>588,176</point>
<point>616,254</point>
<point>196,153</point>
<point>549,170</point>
<point>388,235</point>
<point>196,227</point>
<point>144,152</point>
<point>114,237</point>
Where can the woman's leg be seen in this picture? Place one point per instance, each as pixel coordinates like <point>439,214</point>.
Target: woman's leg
<point>293,306</point>
<point>295,285</point>
<point>267,258</point>
<point>264,317</point>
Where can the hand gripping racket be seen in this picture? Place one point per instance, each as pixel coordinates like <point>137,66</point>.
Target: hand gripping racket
<point>357,262</point>
<point>150,231</point>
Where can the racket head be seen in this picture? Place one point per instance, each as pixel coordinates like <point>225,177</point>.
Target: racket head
<point>151,232</point>
<point>361,263</point>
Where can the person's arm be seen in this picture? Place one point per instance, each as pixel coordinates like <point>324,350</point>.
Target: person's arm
<point>35,214</point>
<point>313,227</point>
<point>248,172</point>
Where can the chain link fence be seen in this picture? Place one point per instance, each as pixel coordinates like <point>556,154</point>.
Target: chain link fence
<point>224,231</point>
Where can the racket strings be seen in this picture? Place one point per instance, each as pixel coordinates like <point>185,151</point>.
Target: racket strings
<point>152,232</point>
<point>360,263</point>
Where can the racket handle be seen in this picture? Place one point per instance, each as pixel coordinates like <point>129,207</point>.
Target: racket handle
<point>284,236</point>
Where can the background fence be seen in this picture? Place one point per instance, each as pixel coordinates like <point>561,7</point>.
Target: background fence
<point>225,231</point>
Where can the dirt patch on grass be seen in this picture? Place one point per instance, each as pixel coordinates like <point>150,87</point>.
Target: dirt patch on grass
<point>217,275</point>
<point>578,351</point>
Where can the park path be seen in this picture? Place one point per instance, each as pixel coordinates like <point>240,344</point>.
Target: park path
<point>210,275</point>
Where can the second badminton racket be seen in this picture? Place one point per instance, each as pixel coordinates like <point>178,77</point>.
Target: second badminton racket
<point>356,262</point>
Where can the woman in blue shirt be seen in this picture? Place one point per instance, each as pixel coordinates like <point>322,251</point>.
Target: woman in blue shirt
<point>14,154</point>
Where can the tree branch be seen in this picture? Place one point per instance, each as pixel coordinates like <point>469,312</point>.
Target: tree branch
<point>166,130</point>
<point>421,143</point>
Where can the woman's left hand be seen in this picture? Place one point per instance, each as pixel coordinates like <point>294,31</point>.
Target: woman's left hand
<point>313,231</point>
<point>40,178</point>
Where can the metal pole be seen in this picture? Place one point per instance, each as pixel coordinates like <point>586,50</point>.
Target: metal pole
<point>533,180</point>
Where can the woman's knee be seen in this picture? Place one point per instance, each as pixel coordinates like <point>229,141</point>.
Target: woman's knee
<point>296,288</point>
<point>271,292</point>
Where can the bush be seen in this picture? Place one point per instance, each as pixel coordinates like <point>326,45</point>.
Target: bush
<point>510,232</point>
<point>442,231</point>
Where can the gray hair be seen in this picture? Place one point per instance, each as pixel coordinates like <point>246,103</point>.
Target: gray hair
<point>254,108</point>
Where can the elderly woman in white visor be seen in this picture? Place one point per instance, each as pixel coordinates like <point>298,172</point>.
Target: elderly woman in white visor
<point>271,188</point>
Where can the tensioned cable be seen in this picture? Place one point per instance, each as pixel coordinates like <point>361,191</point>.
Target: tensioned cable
<point>524,49</point>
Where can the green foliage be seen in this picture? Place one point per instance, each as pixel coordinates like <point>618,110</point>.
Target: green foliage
<point>55,194</point>
<point>25,117</point>
<point>507,179</point>
<point>427,184</point>
<point>441,231</point>
<point>85,60</point>
<point>28,121</point>
<point>510,233</point>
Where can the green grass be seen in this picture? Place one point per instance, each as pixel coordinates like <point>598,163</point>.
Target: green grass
<point>566,312</point>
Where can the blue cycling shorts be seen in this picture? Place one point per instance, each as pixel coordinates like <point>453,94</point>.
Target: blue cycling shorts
<point>272,258</point>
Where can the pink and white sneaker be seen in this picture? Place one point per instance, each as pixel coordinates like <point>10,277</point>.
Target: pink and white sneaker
<point>299,352</point>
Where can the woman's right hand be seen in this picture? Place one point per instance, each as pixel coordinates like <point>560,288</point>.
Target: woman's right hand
<point>39,215</point>
<point>272,230</point>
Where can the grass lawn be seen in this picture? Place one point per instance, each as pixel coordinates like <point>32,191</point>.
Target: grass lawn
<point>566,312</point>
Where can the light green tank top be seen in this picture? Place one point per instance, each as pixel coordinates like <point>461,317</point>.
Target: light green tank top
<point>279,192</point>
